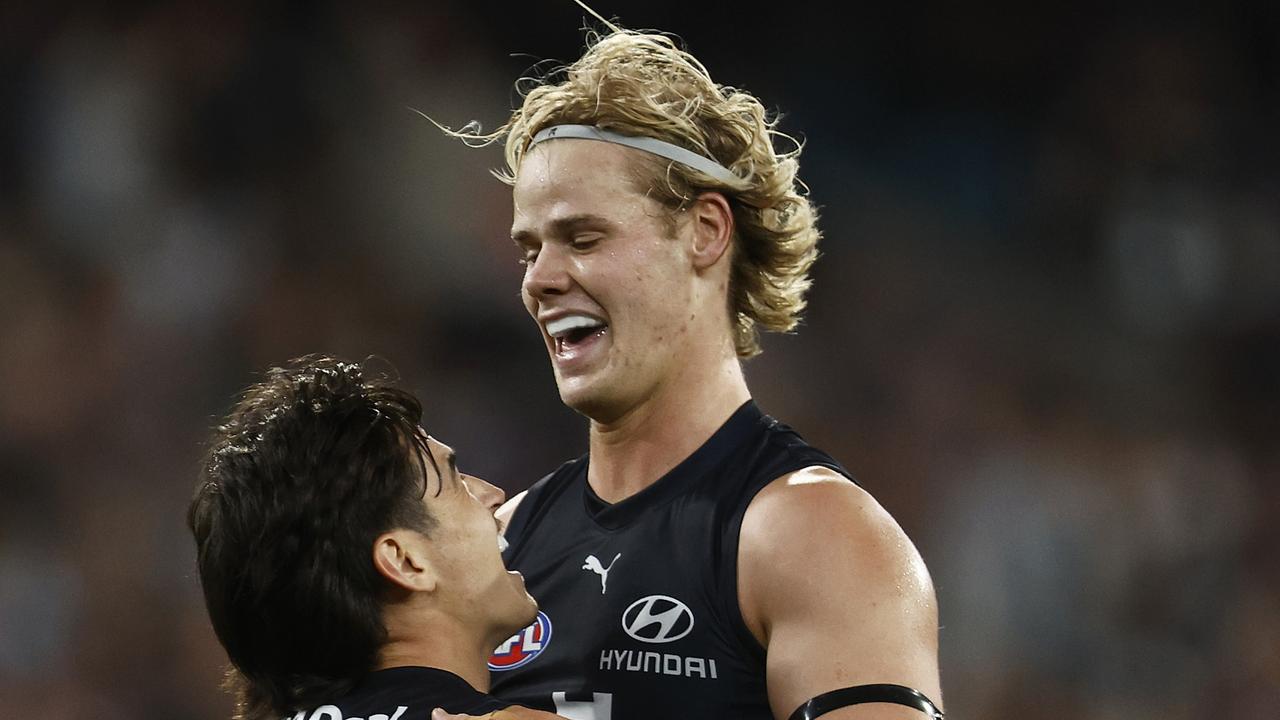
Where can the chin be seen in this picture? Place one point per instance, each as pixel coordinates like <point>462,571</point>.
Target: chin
<point>506,621</point>
<point>583,400</point>
<point>531,610</point>
<point>591,399</point>
<point>518,619</point>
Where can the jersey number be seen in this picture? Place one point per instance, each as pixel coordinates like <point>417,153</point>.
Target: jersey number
<point>600,707</point>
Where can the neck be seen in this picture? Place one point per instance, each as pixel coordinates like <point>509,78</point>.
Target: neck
<point>448,646</point>
<point>646,442</point>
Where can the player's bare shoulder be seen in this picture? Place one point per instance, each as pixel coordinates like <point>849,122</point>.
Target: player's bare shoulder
<point>816,526</point>
<point>825,571</point>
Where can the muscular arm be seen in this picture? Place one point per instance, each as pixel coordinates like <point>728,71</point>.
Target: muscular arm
<point>833,588</point>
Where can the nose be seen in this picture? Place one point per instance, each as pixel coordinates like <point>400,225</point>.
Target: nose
<point>489,495</point>
<point>547,274</point>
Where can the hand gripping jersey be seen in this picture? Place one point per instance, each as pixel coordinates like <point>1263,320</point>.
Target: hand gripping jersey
<point>405,693</point>
<point>639,601</point>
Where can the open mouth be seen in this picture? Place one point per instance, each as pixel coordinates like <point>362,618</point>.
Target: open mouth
<point>573,331</point>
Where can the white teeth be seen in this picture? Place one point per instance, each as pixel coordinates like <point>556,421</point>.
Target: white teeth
<point>562,326</point>
<point>502,544</point>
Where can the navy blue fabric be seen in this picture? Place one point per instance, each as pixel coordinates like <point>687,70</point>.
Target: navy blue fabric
<point>641,595</point>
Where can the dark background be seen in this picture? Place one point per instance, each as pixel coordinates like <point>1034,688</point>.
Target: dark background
<point>1045,331</point>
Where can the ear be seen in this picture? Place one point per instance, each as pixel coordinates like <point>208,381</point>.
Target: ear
<point>712,229</point>
<point>400,556</point>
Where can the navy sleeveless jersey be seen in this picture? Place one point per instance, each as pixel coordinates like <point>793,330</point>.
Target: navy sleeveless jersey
<point>405,693</point>
<point>639,602</point>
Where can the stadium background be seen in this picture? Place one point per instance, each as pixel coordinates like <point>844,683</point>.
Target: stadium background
<point>1045,331</point>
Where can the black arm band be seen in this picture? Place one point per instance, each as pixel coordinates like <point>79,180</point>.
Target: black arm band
<point>859,694</point>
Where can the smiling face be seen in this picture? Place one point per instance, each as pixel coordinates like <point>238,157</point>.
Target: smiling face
<point>463,545</point>
<point>611,290</point>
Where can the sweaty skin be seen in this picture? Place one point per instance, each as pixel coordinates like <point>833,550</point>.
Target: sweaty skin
<point>824,571</point>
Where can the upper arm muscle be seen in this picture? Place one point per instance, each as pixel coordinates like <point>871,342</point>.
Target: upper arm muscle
<point>837,593</point>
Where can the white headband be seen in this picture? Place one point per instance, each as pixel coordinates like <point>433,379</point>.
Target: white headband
<point>650,145</point>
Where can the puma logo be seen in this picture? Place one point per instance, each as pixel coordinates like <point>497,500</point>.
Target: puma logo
<point>593,564</point>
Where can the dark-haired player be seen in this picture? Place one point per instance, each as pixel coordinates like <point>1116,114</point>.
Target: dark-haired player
<point>349,568</point>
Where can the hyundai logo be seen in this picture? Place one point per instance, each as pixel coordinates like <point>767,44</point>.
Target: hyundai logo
<point>657,619</point>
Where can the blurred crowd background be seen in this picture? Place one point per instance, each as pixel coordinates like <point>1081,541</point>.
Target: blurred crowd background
<point>1045,331</point>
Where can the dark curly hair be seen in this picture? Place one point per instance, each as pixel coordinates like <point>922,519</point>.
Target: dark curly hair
<point>311,465</point>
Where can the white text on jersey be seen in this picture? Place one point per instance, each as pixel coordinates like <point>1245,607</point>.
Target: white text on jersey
<point>657,663</point>
<point>333,712</point>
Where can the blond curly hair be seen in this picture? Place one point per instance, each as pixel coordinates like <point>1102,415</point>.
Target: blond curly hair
<point>643,84</point>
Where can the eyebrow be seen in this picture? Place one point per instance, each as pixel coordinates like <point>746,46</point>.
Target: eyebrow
<point>562,226</point>
<point>453,464</point>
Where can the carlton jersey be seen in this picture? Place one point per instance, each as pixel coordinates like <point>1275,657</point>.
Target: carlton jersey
<point>405,693</point>
<point>639,600</point>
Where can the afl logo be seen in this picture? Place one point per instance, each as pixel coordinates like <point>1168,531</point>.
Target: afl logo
<point>657,619</point>
<point>524,646</point>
